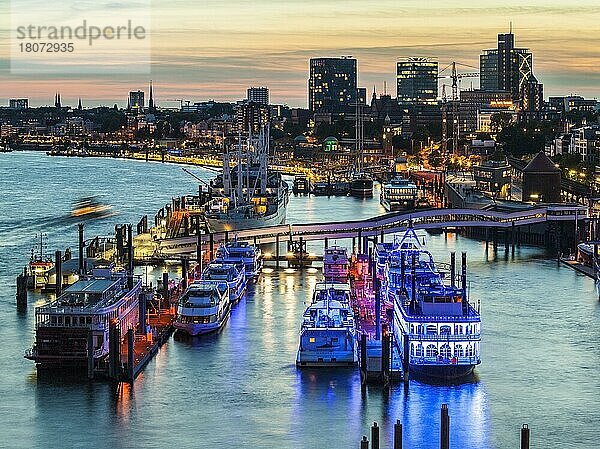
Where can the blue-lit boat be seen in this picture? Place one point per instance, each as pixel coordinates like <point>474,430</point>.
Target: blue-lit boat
<point>203,308</point>
<point>236,252</point>
<point>328,332</point>
<point>435,327</point>
<point>234,275</point>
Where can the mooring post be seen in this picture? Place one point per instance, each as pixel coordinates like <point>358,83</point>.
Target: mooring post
<point>445,428</point>
<point>130,354</point>
<point>129,257</point>
<point>277,251</point>
<point>353,244</point>
<point>365,245</point>
<point>211,245</point>
<point>226,236</point>
<point>377,307</point>
<point>453,268</point>
<point>382,235</point>
<point>184,273</point>
<point>398,435</point>
<point>142,310</point>
<point>58,272</point>
<point>359,236</point>
<point>198,244</point>
<point>363,355</point>
<point>464,275</point>
<point>525,437</point>
<point>81,257</point>
<point>165,282</point>
<point>114,344</point>
<point>326,243</point>
<point>374,436</point>
<point>364,443</point>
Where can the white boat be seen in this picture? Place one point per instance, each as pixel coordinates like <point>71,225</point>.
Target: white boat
<point>328,334</point>
<point>237,252</point>
<point>398,194</point>
<point>74,330</point>
<point>247,195</point>
<point>203,308</point>
<point>435,327</point>
<point>233,275</point>
<point>336,264</point>
<point>338,291</point>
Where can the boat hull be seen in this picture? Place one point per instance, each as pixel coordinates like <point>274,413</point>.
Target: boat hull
<point>233,224</point>
<point>317,348</point>
<point>322,358</point>
<point>195,329</point>
<point>441,372</point>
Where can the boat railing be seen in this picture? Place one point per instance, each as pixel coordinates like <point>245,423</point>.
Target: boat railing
<point>445,337</point>
<point>444,361</point>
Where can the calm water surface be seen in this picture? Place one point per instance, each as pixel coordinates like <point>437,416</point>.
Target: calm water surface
<point>240,389</point>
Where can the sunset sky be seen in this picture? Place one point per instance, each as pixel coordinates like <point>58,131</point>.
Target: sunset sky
<point>215,49</point>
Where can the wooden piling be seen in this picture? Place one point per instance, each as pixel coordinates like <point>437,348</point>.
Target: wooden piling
<point>363,356</point>
<point>277,251</point>
<point>58,272</point>
<point>525,437</point>
<point>398,435</point>
<point>445,428</point>
<point>81,255</point>
<point>364,443</point>
<point>90,355</point>
<point>374,436</point>
<point>453,268</point>
<point>130,355</point>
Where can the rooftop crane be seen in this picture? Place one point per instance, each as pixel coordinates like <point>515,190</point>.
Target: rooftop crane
<point>180,100</point>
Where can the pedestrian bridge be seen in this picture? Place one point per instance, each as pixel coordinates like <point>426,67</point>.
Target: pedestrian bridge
<point>387,224</point>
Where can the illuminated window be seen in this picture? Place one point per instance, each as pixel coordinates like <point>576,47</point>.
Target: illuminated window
<point>312,339</point>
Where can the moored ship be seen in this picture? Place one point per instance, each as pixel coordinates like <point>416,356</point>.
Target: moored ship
<point>236,252</point>
<point>335,264</point>
<point>328,333</point>
<point>203,308</point>
<point>361,185</point>
<point>436,328</point>
<point>398,194</point>
<point>233,275</point>
<point>73,331</point>
<point>247,195</point>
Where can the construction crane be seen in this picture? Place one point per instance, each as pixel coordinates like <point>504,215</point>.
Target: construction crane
<point>180,100</point>
<point>456,78</point>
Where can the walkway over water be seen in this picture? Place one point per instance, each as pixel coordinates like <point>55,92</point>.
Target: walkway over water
<point>388,223</point>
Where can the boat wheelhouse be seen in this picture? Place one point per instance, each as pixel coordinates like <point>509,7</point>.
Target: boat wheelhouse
<point>203,308</point>
<point>435,327</point>
<point>336,264</point>
<point>328,334</point>
<point>337,291</point>
<point>398,194</point>
<point>73,330</point>
<point>233,275</point>
<point>237,252</point>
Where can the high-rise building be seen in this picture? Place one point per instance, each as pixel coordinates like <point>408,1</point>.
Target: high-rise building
<point>151,105</point>
<point>417,81</point>
<point>332,85</point>
<point>258,95</point>
<point>136,99</point>
<point>252,116</point>
<point>508,68</point>
<point>18,103</point>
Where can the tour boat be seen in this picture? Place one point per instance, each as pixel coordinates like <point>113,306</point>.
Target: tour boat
<point>398,194</point>
<point>435,327</point>
<point>338,291</point>
<point>234,275</point>
<point>247,195</point>
<point>236,252</point>
<point>328,334</point>
<point>335,264</point>
<point>73,331</point>
<point>302,185</point>
<point>203,308</point>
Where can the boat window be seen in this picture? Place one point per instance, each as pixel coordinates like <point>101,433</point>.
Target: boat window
<point>445,351</point>
<point>445,330</point>
<point>419,351</point>
<point>431,329</point>
<point>431,351</point>
<point>412,349</point>
<point>67,321</point>
<point>469,350</point>
<point>459,351</point>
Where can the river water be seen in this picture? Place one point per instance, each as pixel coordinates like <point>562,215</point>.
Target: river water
<point>240,388</point>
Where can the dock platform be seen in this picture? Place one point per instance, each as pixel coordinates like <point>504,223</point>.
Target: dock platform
<point>578,266</point>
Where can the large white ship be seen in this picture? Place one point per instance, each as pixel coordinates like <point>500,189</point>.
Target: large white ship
<point>247,195</point>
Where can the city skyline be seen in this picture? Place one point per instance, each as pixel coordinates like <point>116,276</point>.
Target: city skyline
<point>197,57</point>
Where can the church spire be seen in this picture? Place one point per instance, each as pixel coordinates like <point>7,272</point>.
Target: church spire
<point>79,106</point>
<point>151,99</point>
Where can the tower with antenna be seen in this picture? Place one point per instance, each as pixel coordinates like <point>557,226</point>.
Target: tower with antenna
<point>151,99</point>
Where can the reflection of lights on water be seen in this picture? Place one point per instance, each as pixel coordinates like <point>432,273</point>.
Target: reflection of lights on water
<point>289,270</point>
<point>267,270</point>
